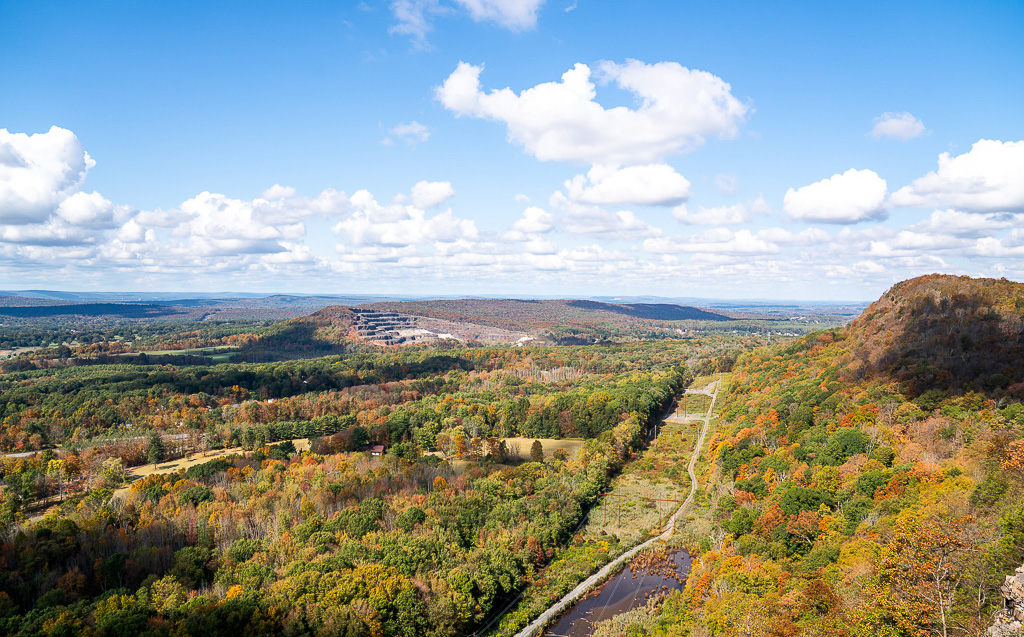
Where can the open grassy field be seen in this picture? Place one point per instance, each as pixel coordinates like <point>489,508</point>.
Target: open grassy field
<point>218,353</point>
<point>550,445</point>
<point>301,444</point>
<point>520,447</point>
<point>693,405</point>
<point>701,382</point>
<point>642,496</point>
<point>11,353</point>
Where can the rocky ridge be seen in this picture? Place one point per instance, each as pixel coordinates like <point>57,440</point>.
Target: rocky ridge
<point>1010,621</point>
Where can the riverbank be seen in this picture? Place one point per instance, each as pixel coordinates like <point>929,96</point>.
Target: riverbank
<point>648,575</point>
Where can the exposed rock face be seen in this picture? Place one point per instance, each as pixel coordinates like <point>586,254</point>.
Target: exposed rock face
<point>1010,622</point>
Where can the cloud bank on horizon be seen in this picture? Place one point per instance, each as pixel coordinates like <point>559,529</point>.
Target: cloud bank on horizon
<point>646,177</point>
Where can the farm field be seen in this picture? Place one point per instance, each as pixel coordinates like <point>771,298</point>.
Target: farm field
<point>195,351</point>
<point>214,353</point>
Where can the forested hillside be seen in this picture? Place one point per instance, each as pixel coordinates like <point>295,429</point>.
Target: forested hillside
<point>869,480</point>
<point>433,537</point>
<point>944,333</point>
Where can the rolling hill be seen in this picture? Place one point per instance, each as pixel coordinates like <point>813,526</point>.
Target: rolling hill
<point>544,314</point>
<point>562,321</point>
<point>947,333</point>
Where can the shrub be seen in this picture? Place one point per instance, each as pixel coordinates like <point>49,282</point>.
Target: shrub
<point>820,557</point>
<point>989,491</point>
<point>410,518</point>
<point>196,495</point>
<point>243,549</point>
<point>742,521</point>
<point>869,481</point>
<point>885,455</point>
<point>206,469</point>
<point>800,499</point>
<point>855,511</point>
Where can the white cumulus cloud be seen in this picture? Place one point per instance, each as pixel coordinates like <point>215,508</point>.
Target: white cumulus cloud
<point>133,232</point>
<point>277,191</point>
<point>92,210</point>
<point>907,243</point>
<point>371,224</point>
<point>534,221</point>
<point>427,194</point>
<point>966,224</point>
<point>37,172</point>
<point>994,247</point>
<point>727,184</point>
<point>411,133</point>
<point>219,225</point>
<point>721,241</point>
<point>781,236</point>
<point>856,195</point>
<point>621,224</point>
<point>677,109</point>
<point>49,233</point>
<point>987,178</point>
<point>414,18</point>
<point>540,245</point>
<point>647,185</point>
<point>901,126</point>
<point>285,205</point>
<point>596,221</point>
<point>722,215</point>
<point>40,200</point>
<point>516,15</point>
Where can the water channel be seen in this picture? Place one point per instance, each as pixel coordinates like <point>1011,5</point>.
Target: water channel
<point>642,578</point>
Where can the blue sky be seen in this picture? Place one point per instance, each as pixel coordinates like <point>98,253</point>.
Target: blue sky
<point>717,149</point>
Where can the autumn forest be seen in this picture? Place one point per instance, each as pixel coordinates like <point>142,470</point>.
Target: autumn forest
<point>312,476</point>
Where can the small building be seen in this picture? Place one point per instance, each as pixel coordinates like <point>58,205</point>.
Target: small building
<point>377,450</point>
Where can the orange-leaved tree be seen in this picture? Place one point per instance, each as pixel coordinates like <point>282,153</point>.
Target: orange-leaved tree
<point>924,565</point>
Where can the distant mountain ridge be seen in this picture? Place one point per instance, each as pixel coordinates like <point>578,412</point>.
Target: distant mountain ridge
<point>539,315</point>
<point>488,320</point>
<point>653,311</point>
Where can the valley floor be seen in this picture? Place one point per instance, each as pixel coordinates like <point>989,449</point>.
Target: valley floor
<point>649,490</point>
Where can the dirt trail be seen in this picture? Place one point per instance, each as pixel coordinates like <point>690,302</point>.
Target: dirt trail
<point>559,607</point>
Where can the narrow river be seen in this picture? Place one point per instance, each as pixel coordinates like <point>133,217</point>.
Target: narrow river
<point>644,577</point>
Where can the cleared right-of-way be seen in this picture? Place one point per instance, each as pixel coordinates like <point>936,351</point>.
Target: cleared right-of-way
<point>558,607</point>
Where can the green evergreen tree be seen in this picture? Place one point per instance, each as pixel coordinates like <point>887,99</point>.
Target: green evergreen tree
<point>360,438</point>
<point>156,451</point>
<point>537,451</point>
